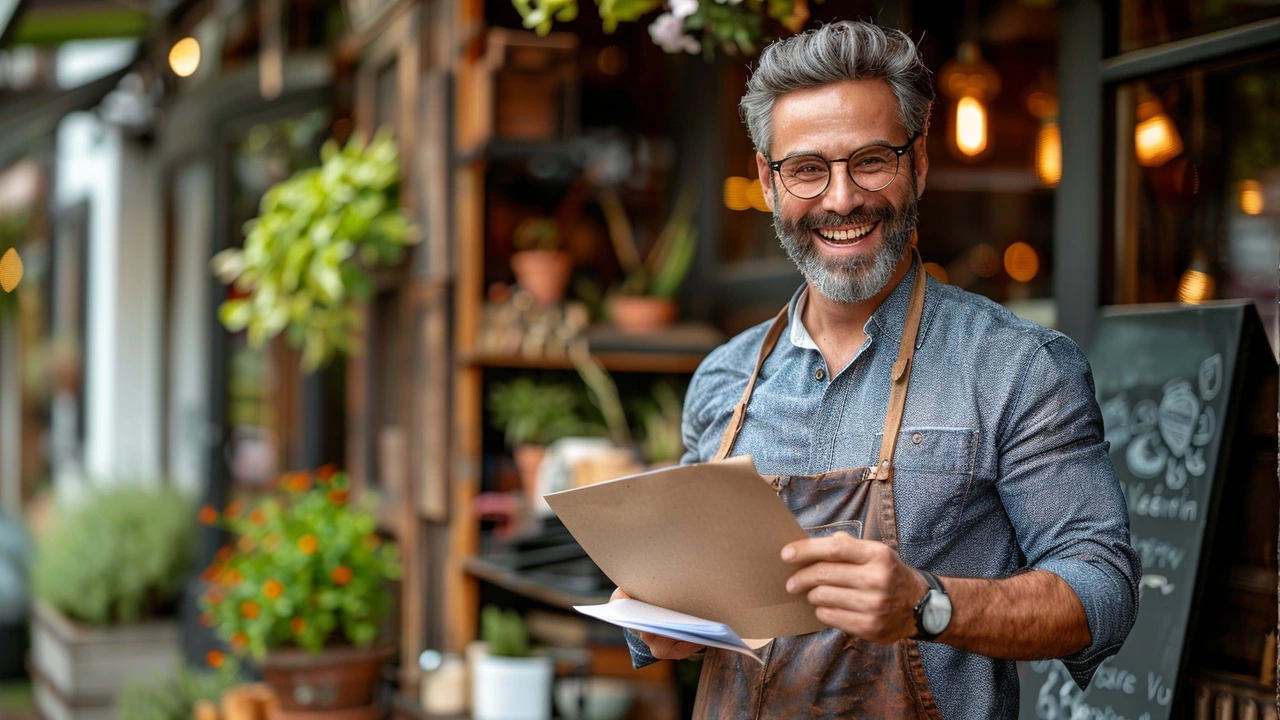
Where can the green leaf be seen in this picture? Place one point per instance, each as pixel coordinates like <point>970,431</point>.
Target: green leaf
<point>235,314</point>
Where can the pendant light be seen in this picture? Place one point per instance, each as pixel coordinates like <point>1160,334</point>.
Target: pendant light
<point>972,82</point>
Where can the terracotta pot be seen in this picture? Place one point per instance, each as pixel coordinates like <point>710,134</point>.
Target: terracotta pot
<point>528,459</point>
<point>544,273</point>
<point>642,314</point>
<point>338,684</point>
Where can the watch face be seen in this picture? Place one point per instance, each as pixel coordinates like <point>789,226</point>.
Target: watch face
<point>936,614</point>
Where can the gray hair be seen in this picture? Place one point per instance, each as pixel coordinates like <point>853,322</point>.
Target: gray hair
<point>846,50</point>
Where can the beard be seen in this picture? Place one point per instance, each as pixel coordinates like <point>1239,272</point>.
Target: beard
<point>849,280</point>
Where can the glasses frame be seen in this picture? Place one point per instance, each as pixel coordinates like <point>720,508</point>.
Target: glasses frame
<point>898,150</point>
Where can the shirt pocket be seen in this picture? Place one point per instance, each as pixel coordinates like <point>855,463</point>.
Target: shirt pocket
<point>853,527</point>
<point>933,471</point>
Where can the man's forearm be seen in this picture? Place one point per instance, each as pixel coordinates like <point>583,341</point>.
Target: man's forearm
<point>1029,616</point>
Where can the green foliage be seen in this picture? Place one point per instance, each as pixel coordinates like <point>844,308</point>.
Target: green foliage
<point>660,420</point>
<point>664,269</point>
<point>530,412</point>
<point>308,569</point>
<point>120,556</point>
<point>603,393</point>
<point>539,14</point>
<point>504,632</point>
<point>175,698</point>
<point>305,257</point>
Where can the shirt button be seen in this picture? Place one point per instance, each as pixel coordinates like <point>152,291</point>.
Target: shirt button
<point>917,438</point>
<point>819,374</point>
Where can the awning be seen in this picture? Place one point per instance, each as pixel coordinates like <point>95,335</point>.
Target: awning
<point>23,121</point>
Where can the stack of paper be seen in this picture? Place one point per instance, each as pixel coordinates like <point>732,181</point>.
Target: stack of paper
<point>643,617</point>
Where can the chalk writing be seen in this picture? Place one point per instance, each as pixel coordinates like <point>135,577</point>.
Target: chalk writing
<point>1155,582</point>
<point>1157,553</point>
<point>1157,505</point>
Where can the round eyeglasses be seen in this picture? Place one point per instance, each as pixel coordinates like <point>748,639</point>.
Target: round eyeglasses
<point>871,168</point>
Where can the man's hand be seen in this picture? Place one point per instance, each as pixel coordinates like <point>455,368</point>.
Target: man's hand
<point>860,587</point>
<point>662,648</point>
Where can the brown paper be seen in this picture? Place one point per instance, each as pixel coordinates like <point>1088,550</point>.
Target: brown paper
<point>705,540</point>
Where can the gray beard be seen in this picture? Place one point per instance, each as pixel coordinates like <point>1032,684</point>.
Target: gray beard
<point>849,280</point>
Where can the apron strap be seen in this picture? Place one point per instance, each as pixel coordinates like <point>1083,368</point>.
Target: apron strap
<point>740,410</point>
<point>901,375</point>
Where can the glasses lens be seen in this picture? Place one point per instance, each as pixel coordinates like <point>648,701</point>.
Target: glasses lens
<point>874,168</point>
<point>805,176</point>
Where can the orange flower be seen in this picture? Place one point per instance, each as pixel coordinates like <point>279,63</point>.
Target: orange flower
<point>298,625</point>
<point>213,597</point>
<point>338,496</point>
<point>233,510</point>
<point>246,544</point>
<point>249,610</point>
<point>271,542</point>
<point>272,589</point>
<point>239,641</point>
<point>214,659</point>
<point>206,620</point>
<point>341,575</point>
<point>326,472</point>
<point>300,482</point>
<point>257,517</point>
<point>308,544</point>
<point>211,573</point>
<point>231,578</point>
<point>224,554</point>
<point>208,515</point>
<point>372,542</point>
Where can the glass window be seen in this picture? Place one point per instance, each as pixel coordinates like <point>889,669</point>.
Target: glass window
<point>1197,172</point>
<point>1144,23</point>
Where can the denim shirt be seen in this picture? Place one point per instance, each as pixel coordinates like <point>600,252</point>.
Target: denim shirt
<point>1000,463</point>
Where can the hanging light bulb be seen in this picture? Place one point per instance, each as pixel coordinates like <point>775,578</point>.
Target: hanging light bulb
<point>1155,138</point>
<point>184,57</point>
<point>971,82</point>
<point>1251,202</point>
<point>1049,154</point>
<point>1196,284</point>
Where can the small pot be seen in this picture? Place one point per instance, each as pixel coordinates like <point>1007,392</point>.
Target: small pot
<point>528,459</point>
<point>337,684</point>
<point>507,688</point>
<point>543,273</point>
<point>635,314</point>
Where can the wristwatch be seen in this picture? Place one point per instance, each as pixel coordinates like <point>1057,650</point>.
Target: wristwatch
<point>933,611</point>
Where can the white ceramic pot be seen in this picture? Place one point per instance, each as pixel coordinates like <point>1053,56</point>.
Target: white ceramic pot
<point>506,688</point>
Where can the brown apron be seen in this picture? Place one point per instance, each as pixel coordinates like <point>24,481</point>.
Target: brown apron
<point>828,674</point>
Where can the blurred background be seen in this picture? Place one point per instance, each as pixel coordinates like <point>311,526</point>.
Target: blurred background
<point>465,252</point>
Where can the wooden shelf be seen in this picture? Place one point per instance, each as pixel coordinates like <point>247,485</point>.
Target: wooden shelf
<point>407,708</point>
<point>572,152</point>
<point>655,362</point>
<point>522,585</point>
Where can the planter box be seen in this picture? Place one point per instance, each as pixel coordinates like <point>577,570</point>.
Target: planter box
<point>79,669</point>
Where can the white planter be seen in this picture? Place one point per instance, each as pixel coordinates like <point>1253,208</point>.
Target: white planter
<point>505,688</point>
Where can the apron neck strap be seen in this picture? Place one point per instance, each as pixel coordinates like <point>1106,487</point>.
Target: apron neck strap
<point>901,374</point>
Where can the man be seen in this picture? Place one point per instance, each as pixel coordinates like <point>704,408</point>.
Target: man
<point>946,457</point>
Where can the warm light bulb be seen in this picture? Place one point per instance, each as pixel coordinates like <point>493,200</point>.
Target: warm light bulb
<point>1195,287</point>
<point>184,57</point>
<point>755,195</point>
<point>971,126</point>
<point>1021,262</point>
<point>735,193</point>
<point>1156,140</point>
<point>1251,197</point>
<point>1049,155</point>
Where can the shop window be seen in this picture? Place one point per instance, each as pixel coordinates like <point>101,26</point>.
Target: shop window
<point>1145,23</point>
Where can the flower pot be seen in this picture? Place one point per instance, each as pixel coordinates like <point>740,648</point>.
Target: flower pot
<point>642,314</point>
<point>543,273</point>
<point>338,684</point>
<point>507,688</point>
<point>528,459</point>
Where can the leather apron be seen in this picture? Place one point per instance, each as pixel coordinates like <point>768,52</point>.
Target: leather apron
<point>828,674</point>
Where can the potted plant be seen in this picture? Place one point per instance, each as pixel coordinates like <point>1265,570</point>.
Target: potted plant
<point>541,267</point>
<point>302,593</point>
<point>645,302</point>
<point>307,257</point>
<point>176,697</point>
<point>660,417</point>
<point>511,681</point>
<point>107,574</point>
<point>532,415</point>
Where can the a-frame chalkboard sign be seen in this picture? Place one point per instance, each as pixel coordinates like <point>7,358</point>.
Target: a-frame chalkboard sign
<point>1172,382</point>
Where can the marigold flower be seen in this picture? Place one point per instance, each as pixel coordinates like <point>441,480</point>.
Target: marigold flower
<point>298,625</point>
<point>215,659</point>
<point>326,472</point>
<point>338,496</point>
<point>224,554</point>
<point>211,573</point>
<point>257,517</point>
<point>208,515</point>
<point>246,544</point>
<point>341,575</point>
<point>308,544</point>
<point>249,610</point>
<point>231,577</point>
<point>300,482</point>
<point>272,589</point>
<point>239,641</point>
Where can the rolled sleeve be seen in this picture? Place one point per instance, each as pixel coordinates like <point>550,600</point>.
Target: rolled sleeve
<point>640,655</point>
<point>1060,490</point>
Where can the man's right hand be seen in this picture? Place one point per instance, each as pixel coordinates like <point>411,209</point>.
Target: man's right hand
<point>662,648</point>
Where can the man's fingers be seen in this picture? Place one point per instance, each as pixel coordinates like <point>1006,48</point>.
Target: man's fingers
<point>618,594</point>
<point>840,546</point>
<point>839,598</point>
<point>665,648</point>
<point>838,574</point>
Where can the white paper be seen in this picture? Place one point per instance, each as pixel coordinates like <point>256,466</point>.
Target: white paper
<point>643,617</point>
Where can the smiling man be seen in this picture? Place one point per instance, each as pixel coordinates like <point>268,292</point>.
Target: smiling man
<point>946,457</point>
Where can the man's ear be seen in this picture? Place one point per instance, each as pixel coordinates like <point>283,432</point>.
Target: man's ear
<point>921,163</point>
<point>766,179</point>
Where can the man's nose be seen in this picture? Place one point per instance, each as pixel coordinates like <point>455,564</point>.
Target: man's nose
<point>843,196</point>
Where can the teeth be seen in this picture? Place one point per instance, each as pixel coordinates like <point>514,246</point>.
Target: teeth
<point>846,234</point>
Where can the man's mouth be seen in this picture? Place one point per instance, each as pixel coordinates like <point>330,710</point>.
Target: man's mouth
<point>848,234</point>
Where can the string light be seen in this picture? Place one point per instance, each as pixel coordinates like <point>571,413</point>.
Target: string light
<point>971,126</point>
<point>1049,154</point>
<point>1251,200</point>
<point>984,260</point>
<point>1021,261</point>
<point>1195,287</point>
<point>1155,139</point>
<point>184,57</point>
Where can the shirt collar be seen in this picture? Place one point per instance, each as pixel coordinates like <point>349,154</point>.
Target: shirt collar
<point>888,319</point>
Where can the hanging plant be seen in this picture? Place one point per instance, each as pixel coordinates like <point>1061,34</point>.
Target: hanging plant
<point>306,258</point>
<point>737,27</point>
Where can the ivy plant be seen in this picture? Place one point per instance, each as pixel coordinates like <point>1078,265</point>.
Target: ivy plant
<point>306,260</point>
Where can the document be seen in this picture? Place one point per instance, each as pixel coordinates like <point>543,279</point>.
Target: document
<point>698,546</point>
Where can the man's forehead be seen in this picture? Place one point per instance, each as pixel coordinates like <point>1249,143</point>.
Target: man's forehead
<point>837,117</point>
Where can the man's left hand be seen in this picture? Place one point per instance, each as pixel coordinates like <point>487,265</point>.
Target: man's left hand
<point>860,587</point>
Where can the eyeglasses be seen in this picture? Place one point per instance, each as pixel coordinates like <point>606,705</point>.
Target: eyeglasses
<point>871,168</point>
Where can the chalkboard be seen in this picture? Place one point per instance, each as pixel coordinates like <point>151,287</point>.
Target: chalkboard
<point>1169,382</point>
